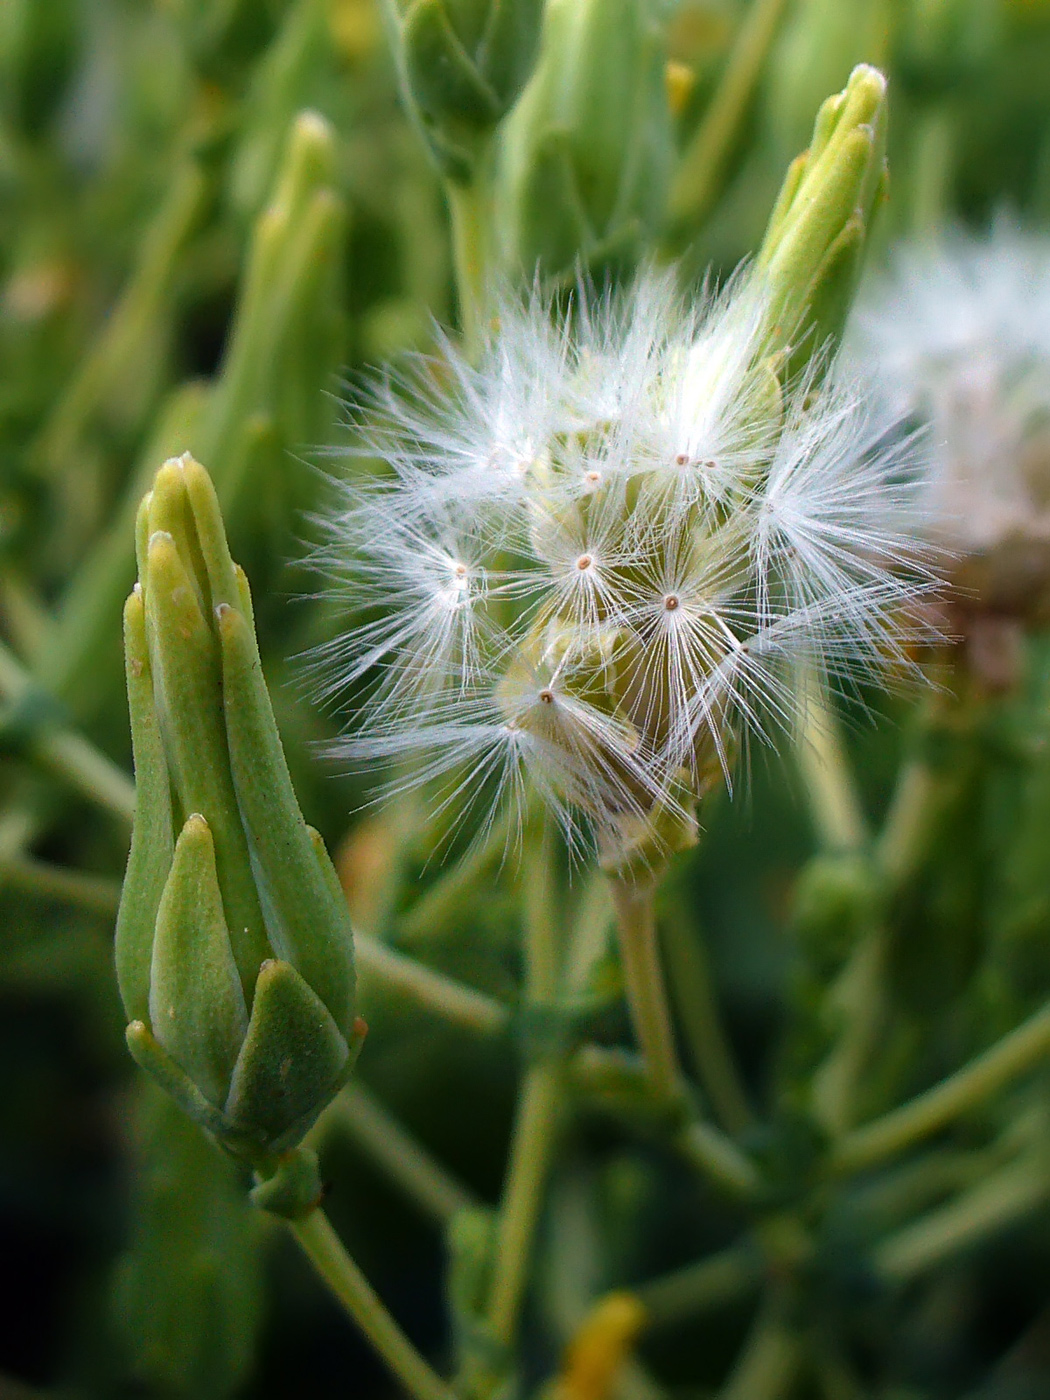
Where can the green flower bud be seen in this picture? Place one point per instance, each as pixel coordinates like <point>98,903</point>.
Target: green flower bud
<point>586,156</point>
<point>814,247</point>
<point>819,45</point>
<point>462,65</point>
<point>234,949</point>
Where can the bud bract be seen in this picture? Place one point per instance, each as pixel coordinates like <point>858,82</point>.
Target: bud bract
<point>234,948</point>
<point>586,156</point>
<point>813,251</point>
<point>462,65</point>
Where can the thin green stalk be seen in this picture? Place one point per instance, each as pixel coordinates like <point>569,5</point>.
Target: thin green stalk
<point>470,208</point>
<point>66,754</point>
<point>834,802</point>
<point>367,1122</point>
<point>697,1288</point>
<point>440,904</point>
<point>590,937</point>
<point>118,348</point>
<point>962,1091</point>
<point>431,990</point>
<point>70,756</point>
<point>1001,1199</point>
<point>769,1362</point>
<point>924,792</point>
<point>532,1148</point>
<point>539,1104</point>
<point>96,893</point>
<point>27,621</point>
<point>646,994</point>
<point>858,1000</point>
<point>701,1021</point>
<point>327,1254</point>
<point>702,165</point>
<point>719,1158</point>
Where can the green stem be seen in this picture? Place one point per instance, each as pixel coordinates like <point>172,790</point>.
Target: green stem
<point>364,1119</point>
<point>539,1104</point>
<point>633,903</point>
<point>924,793</point>
<point>825,768</point>
<point>471,213</point>
<point>71,757</point>
<point>700,1017</point>
<point>27,621</point>
<point>769,1363</point>
<point>66,754</point>
<point>890,1135</point>
<point>440,905</point>
<point>433,991</point>
<point>702,166</point>
<point>327,1254</point>
<point>117,350</point>
<point>96,893</point>
<point>857,1000</point>
<point>719,1158</point>
<point>532,1147</point>
<point>709,1283</point>
<point>620,1084</point>
<point>1006,1196</point>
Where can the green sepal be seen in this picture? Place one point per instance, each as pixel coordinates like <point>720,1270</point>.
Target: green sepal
<point>293,1060</point>
<point>197,1008</point>
<point>151,1057</point>
<point>152,840</point>
<point>293,1189</point>
<point>187,682</point>
<point>830,294</point>
<point>309,927</point>
<point>210,532</point>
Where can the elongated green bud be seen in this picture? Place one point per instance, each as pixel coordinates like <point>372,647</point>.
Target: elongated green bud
<point>234,948</point>
<point>462,65</point>
<point>814,246</point>
<point>586,156</point>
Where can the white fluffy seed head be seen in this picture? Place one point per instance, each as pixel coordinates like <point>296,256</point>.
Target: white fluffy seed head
<point>598,553</point>
<point>957,334</point>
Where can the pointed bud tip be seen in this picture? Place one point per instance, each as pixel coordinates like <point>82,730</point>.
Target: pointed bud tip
<point>313,127</point>
<point>867,73</point>
<point>169,477</point>
<point>160,541</point>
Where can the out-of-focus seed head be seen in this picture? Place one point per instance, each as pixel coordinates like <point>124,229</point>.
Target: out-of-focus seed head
<point>957,333</point>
